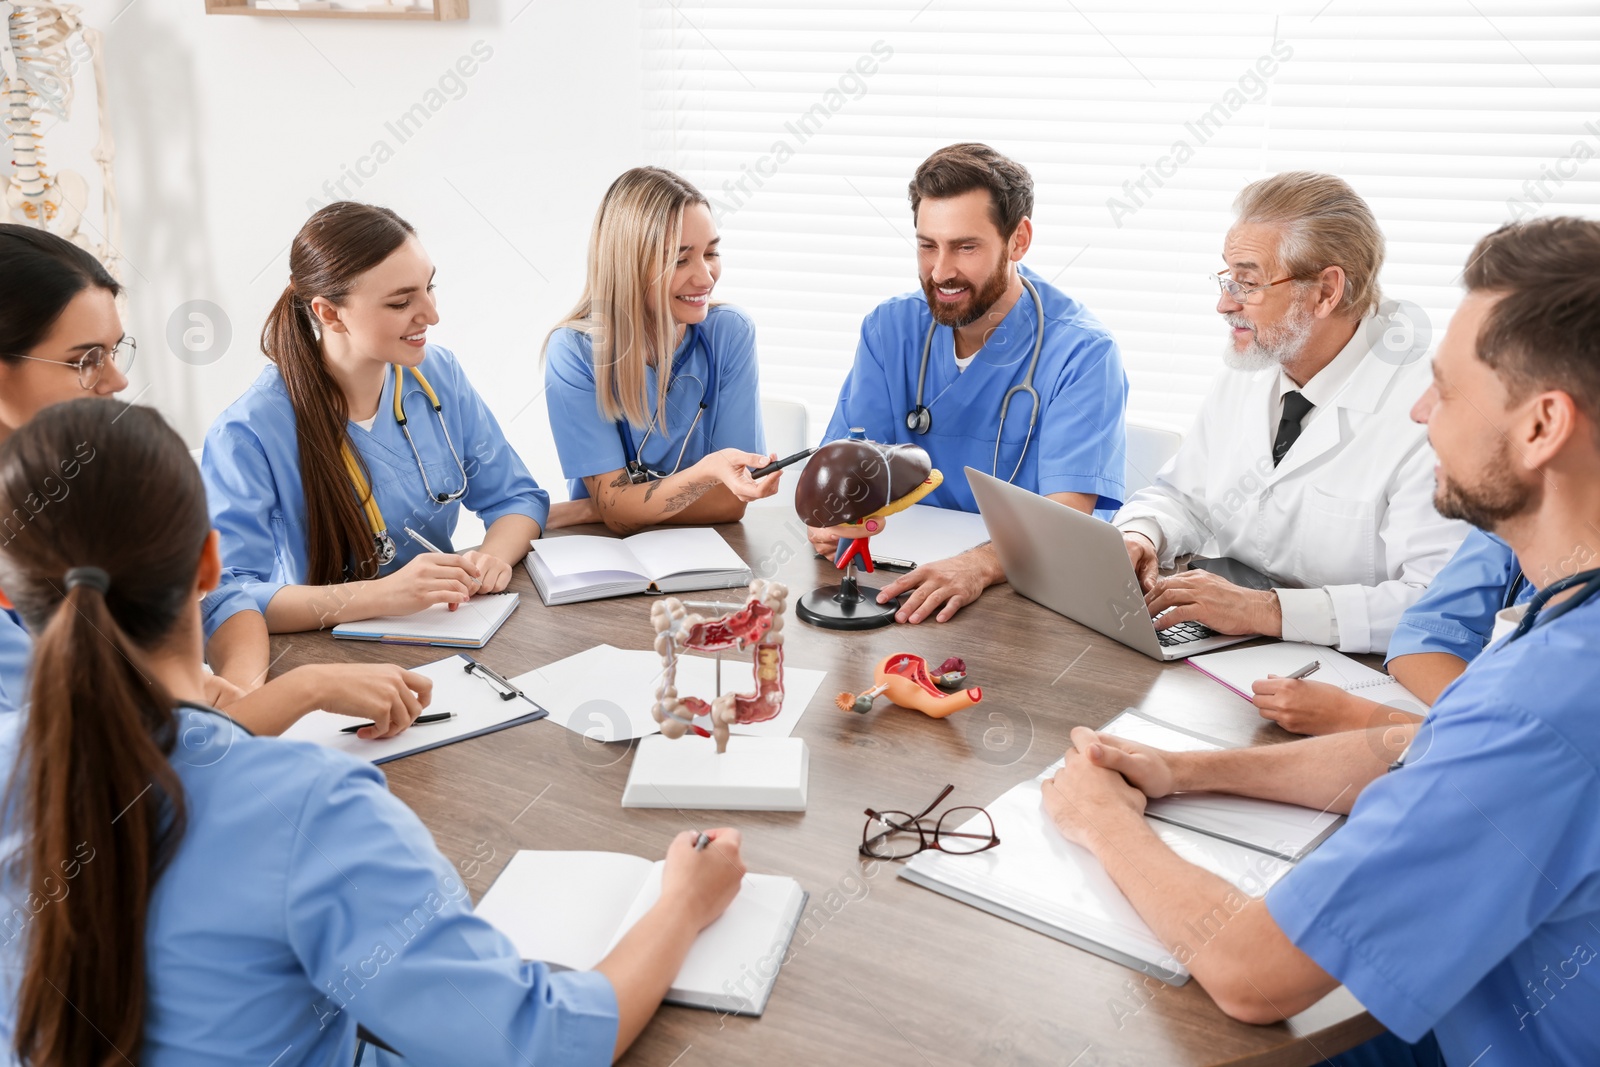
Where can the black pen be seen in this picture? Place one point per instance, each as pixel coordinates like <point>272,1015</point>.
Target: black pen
<point>420,720</point>
<point>779,464</point>
<point>890,563</point>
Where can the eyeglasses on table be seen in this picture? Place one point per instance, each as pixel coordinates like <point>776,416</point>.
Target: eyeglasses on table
<point>898,835</point>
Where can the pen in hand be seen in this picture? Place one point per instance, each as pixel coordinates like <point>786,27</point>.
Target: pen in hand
<point>702,841</point>
<point>1308,670</point>
<point>420,720</point>
<point>429,546</point>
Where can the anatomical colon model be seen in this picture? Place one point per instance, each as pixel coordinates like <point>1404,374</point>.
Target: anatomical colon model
<point>40,57</point>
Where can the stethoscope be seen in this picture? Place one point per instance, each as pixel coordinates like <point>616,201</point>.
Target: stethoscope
<point>1589,580</point>
<point>919,419</point>
<point>1514,589</point>
<point>638,471</point>
<point>1535,614</point>
<point>382,543</point>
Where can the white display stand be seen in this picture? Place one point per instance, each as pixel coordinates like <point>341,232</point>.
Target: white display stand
<point>755,774</point>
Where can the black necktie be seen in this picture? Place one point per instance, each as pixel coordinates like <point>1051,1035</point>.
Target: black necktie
<point>1295,408</point>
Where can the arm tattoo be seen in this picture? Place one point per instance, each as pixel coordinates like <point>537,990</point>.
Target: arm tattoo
<point>620,480</point>
<point>651,490</point>
<point>688,495</point>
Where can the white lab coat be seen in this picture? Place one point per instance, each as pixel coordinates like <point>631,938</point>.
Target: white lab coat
<point>1345,524</point>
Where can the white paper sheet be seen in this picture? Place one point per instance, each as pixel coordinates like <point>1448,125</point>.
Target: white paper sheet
<point>923,533</point>
<point>471,625</point>
<point>605,693</point>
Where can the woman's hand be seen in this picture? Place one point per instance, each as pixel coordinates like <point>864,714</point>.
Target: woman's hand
<point>700,883</point>
<point>431,578</point>
<point>1302,706</point>
<point>388,695</point>
<point>731,467</point>
<point>493,573</point>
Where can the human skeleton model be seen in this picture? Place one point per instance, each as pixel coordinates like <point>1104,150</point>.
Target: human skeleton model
<point>757,626</point>
<point>36,72</point>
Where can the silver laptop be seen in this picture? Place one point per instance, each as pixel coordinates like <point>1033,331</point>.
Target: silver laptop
<point>1075,565</point>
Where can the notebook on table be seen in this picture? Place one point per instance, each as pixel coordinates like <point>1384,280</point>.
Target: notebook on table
<point>1037,878</point>
<point>1238,668</point>
<point>569,909</point>
<point>481,706</point>
<point>469,626</point>
<point>567,570</point>
<point>1290,831</point>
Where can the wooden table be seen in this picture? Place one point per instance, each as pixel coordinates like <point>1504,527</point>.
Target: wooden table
<point>883,972</point>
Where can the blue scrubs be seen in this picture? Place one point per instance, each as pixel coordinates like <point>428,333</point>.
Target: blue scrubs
<point>252,471</point>
<point>1456,614</point>
<point>304,899</point>
<point>591,444</point>
<point>16,649</point>
<point>223,603</point>
<point>1463,895</point>
<point>1078,442</point>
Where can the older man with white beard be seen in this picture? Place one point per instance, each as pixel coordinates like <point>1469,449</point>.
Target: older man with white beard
<point>1303,463</point>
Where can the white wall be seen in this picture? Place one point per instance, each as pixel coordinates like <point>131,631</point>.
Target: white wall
<point>226,126</point>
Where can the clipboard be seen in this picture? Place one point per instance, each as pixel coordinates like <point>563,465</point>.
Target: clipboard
<point>483,701</point>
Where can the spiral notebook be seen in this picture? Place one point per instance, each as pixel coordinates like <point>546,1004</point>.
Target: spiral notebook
<point>1238,668</point>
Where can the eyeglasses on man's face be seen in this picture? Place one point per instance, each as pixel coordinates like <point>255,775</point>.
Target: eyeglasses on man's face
<point>90,366</point>
<point>1242,293</point>
<point>897,835</point>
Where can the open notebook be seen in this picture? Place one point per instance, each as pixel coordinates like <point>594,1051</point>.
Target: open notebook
<point>570,909</point>
<point>1237,668</point>
<point>567,570</point>
<point>480,706</point>
<point>469,626</point>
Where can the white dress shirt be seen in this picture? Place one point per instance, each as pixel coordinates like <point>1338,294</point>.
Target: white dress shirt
<point>1344,526</point>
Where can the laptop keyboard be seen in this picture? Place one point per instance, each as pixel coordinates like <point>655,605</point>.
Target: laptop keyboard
<point>1183,633</point>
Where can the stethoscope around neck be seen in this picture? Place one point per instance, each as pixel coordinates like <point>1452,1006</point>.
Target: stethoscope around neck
<point>919,420</point>
<point>640,472</point>
<point>383,544</point>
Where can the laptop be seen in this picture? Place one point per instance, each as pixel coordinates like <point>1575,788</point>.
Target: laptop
<point>1076,565</point>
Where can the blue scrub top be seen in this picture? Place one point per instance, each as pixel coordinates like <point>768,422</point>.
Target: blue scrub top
<point>223,603</point>
<point>1463,895</point>
<point>591,444</point>
<point>304,899</point>
<point>1079,440</point>
<point>1456,614</point>
<point>252,471</point>
<point>16,650</point>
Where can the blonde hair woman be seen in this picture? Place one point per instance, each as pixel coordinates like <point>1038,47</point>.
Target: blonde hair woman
<point>652,387</point>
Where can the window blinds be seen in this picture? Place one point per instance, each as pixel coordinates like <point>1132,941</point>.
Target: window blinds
<point>1139,120</point>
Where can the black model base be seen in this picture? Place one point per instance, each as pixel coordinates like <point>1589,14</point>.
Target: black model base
<point>847,606</point>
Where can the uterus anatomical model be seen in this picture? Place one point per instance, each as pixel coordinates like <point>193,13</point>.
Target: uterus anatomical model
<point>756,627</point>
<point>43,46</point>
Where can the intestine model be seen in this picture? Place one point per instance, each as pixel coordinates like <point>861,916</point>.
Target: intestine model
<point>44,44</point>
<point>757,626</point>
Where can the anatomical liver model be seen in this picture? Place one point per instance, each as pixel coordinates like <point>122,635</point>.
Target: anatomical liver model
<point>855,484</point>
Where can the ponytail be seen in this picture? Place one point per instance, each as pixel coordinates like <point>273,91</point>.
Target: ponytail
<point>338,539</point>
<point>103,575</point>
<point>332,250</point>
<point>99,793</point>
